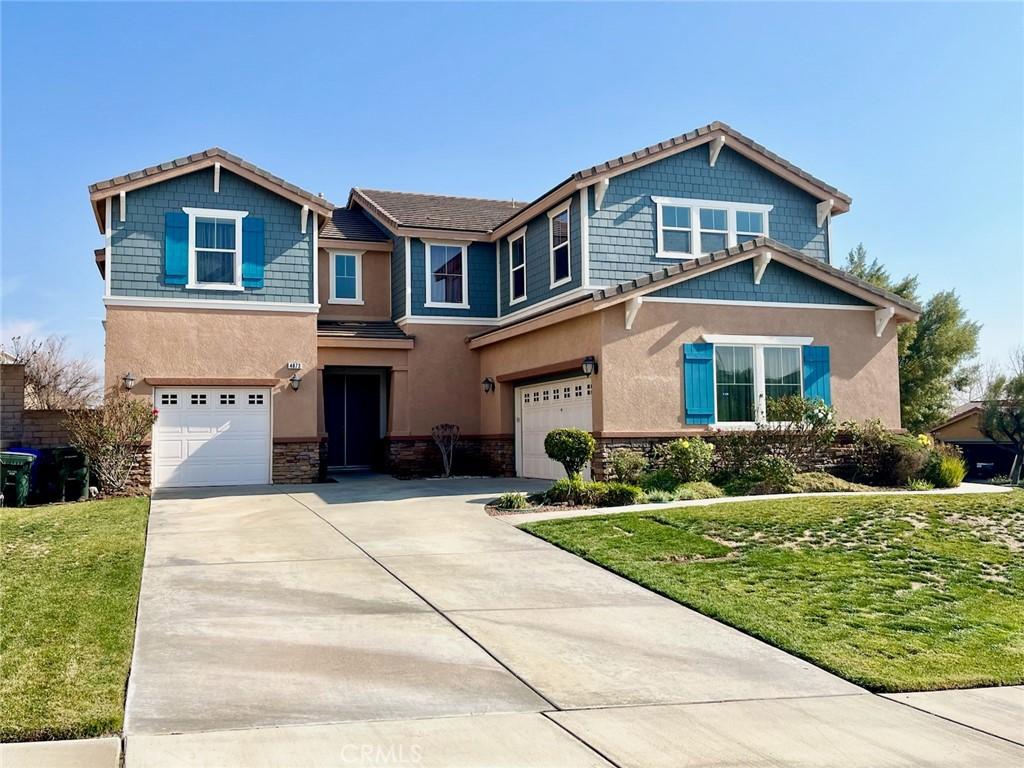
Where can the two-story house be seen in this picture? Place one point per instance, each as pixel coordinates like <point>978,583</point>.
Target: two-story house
<point>671,291</point>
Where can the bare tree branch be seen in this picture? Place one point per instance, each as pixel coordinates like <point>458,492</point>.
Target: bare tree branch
<point>53,379</point>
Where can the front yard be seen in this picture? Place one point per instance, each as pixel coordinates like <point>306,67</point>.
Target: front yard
<point>69,586</point>
<point>896,594</point>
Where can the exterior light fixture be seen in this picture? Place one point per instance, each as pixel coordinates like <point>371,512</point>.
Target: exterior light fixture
<point>295,380</point>
<point>128,380</point>
<point>589,366</point>
<point>488,384</point>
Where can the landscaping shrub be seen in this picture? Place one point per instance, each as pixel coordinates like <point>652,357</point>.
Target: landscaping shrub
<point>771,474</point>
<point>688,459</point>
<point>112,437</point>
<point>823,482</point>
<point>512,500</point>
<point>701,489</point>
<point>659,480</point>
<point>918,484</point>
<point>880,457</point>
<point>576,491</point>
<point>659,497</point>
<point>736,451</point>
<point>572,448</point>
<point>627,465</point>
<point>619,495</point>
<point>945,468</point>
<point>799,429</point>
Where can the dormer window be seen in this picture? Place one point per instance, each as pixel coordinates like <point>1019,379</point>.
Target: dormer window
<point>561,266</point>
<point>446,275</point>
<point>689,228</point>
<point>214,249</point>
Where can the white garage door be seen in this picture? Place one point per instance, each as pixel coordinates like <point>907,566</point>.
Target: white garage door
<point>211,436</point>
<point>541,408</point>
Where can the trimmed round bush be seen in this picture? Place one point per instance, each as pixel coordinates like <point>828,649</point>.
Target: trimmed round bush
<point>572,448</point>
<point>627,465</point>
<point>701,489</point>
<point>689,459</point>
<point>772,474</point>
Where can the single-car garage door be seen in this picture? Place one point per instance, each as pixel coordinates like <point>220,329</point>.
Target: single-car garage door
<point>541,408</point>
<point>211,436</point>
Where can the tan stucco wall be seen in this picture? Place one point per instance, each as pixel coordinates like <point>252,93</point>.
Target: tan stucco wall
<point>219,344</point>
<point>642,369</point>
<point>963,429</point>
<point>376,288</point>
<point>567,341</point>
<point>397,360</point>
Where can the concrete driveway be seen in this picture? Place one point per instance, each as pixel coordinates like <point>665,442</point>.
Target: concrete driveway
<point>385,622</point>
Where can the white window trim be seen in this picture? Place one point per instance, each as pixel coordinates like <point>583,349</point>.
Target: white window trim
<point>566,209</point>
<point>519,234</point>
<point>464,304</point>
<point>214,213</point>
<point>758,343</point>
<point>331,256</point>
<point>695,205</point>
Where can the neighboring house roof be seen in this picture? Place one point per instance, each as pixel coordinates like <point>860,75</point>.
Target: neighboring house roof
<point>439,212</point>
<point>361,329</point>
<point>903,310</point>
<point>101,190</point>
<point>353,224</point>
<point>960,413</point>
<point>498,217</point>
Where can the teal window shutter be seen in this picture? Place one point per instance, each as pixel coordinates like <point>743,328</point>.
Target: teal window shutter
<point>175,248</point>
<point>699,382</point>
<point>817,374</point>
<point>253,257</point>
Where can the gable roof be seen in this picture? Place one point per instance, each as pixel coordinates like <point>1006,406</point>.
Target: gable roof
<point>497,218</point>
<point>353,224</point>
<point>905,311</point>
<point>437,212</point>
<point>101,190</point>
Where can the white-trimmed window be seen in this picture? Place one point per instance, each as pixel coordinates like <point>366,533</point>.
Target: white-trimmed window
<point>752,371</point>
<point>517,267</point>
<point>346,278</point>
<point>561,264</point>
<point>688,228</point>
<point>215,249</point>
<point>447,275</point>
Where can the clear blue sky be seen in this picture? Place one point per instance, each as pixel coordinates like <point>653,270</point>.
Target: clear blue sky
<point>914,109</point>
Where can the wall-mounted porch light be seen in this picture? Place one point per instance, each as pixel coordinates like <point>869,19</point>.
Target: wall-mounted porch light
<point>589,366</point>
<point>488,384</point>
<point>128,380</point>
<point>295,380</point>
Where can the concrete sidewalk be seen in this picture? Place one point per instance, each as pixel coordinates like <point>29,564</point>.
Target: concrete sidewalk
<point>346,624</point>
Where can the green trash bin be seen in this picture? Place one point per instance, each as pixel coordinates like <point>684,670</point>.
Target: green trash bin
<point>73,471</point>
<point>14,477</point>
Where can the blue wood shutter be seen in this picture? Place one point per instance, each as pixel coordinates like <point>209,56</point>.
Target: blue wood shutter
<point>175,248</point>
<point>817,374</point>
<point>253,256</point>
<point>699,382</point>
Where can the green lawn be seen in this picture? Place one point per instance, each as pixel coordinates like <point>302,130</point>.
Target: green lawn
<point>69,586</point>
<point>896,594</point>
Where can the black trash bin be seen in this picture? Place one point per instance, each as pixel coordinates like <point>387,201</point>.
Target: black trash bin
<point>15,469</point>
<point>72,474</point>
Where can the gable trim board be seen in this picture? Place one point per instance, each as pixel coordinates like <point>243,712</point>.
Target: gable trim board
<point>215,157</point>
<point>903,310</point>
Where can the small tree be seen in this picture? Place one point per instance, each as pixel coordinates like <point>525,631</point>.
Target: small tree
<point>112,437</point>
<point>53,379</point>
<point>572,448</point>
<point>1002,417</point>
<point>446,436</point>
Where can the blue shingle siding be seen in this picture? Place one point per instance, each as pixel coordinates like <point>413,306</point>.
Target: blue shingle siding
<point>538,260</point>
<point>623,240</point>
<point>481,283</point>
<point>779,283</point>
<point>137,244</point>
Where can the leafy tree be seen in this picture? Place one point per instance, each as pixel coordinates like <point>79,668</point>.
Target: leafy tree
<point>1002,417</point>
<point>53,379</point>
<point>934,353</point>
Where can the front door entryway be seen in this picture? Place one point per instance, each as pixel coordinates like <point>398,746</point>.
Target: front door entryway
<point>353,416</point>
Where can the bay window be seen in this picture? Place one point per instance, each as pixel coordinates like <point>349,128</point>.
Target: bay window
<point>690,228</point>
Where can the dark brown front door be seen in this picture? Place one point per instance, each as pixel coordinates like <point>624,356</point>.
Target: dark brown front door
<point>352,417</point>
